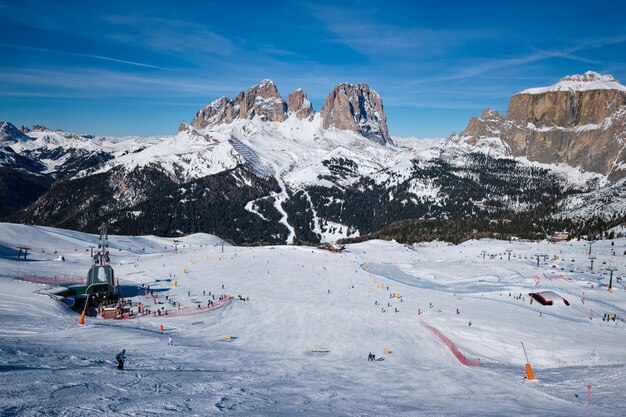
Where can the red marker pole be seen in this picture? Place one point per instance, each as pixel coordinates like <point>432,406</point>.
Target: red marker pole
<point>588,394</point>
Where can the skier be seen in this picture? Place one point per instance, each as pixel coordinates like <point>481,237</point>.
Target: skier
<point>369,357</point>
<point>170,341</point>
<point>121,357</point>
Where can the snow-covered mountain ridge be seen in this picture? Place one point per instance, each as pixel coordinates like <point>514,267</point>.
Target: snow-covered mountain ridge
<point>260,169</point>
<point>588,81</point>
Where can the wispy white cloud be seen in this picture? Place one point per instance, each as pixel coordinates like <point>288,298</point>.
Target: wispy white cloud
<point>101,57</point>
<point>376,39</point>
<point>484,66</point>
<point>169,35</point>
<point>93,82</point>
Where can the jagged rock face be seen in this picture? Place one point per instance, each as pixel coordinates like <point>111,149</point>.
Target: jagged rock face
<point>10,133</point>
<point>487,125</point>
<point>580,121</point>
<point>358,108</point>
<point>299,104</point>
<point>262,101</point>
<point>353,107</point>
<point>39,128</point>
<point>218,112</point>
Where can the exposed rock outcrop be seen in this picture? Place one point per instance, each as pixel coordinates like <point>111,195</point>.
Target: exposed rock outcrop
<point>353,107</point>
<point>358,108</point>
<point>299,104</point>
<point>262,101</point>
<point>580,121</point>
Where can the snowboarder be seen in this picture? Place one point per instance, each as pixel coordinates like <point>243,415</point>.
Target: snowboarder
<point>121,358</point>
<point>469,324</point>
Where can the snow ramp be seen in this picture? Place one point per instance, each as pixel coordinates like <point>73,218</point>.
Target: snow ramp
<point>455,351</point>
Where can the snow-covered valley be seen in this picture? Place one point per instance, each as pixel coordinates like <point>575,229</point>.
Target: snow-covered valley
<point>300,299</point>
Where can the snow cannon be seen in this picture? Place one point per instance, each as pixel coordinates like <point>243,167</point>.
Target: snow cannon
<point>529,370</point>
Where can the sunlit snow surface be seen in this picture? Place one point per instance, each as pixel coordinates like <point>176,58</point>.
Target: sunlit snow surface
<point>51,366</point>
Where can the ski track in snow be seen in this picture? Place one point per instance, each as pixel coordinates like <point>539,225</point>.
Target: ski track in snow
<point>51,366</point>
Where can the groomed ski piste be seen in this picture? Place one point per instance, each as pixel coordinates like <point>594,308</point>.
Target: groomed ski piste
<point>298,344</point>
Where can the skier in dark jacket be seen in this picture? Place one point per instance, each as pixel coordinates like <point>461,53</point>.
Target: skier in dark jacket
<point>121,357</point>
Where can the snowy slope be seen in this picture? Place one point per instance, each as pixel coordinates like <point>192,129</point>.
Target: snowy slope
<point>590,80</point>
<point>606,202</point>
<point>300,298</point>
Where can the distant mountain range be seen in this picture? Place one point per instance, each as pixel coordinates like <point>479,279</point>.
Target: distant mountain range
<point>258,169</point>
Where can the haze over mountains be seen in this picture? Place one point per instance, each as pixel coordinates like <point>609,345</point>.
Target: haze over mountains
<point>259,168</point>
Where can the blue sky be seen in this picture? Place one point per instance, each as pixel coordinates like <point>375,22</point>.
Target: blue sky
<point>142,67</point>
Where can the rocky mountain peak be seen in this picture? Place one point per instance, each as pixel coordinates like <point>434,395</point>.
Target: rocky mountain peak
<point>220,111</point>
<point>358,108</point>
<point>589,76</point>
<point>40,128</point>
<point>10,133</point>
<point>580,121</point>
<point>590,80</point>
<point>354,107</point>
<point>262,100</point>
<point>299,104</point>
